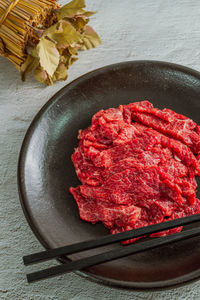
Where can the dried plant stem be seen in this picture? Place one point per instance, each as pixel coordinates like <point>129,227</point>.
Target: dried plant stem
<point>18,19</point>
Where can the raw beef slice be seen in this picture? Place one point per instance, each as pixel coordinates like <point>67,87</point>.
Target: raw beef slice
<point>137,165</point>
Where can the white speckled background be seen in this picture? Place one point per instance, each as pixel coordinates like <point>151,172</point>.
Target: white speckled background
<point>130,29</point>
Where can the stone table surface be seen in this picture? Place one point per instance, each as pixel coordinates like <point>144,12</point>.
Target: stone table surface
<point>130,30</point>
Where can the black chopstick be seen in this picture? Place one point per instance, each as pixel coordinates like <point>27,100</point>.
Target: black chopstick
<point>112,255</point>
<point>108,239</point>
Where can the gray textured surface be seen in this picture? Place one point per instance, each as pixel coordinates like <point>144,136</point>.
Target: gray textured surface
<point>130,29</point>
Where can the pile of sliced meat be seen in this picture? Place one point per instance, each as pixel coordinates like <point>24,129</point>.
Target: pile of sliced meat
<point>137,165</point>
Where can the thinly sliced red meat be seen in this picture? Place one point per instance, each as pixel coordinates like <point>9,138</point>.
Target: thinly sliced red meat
<point>176,129</point>
<point>105,212</point>
<point>137,167</point>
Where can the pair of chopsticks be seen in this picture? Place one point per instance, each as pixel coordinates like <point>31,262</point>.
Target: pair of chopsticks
<point>112,254</point>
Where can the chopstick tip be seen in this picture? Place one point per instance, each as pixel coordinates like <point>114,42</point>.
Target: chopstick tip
<point>25,261</point>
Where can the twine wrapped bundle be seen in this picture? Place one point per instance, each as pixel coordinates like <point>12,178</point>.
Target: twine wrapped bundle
<point>38,36</point>
<point>17,20</point>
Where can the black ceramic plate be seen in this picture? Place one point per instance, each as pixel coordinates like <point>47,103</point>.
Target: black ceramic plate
<point>46,171</point>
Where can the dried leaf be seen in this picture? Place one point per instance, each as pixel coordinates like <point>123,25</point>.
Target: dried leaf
<point>72,60</point>
<point>61,47</point>
<point>71,9</point>
<point>40,75</point>
<point>28,66</point>
<point>49,55</point>
<point>73,50</point>
<point>34,52</point>
<point>65,34</point>
<point>64,59</point>
<point>60,73</point>
<point>68,59</point>
<point>50,30</point>
<point>49,80</point>
<point>88,14</point>
<point>79,22</point>
<point>90,39</point>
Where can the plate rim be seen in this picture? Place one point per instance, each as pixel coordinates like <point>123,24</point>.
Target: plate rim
<point>137,286</point>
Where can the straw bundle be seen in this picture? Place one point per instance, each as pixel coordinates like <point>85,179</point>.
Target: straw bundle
<point>17,20</point>
<point>38,36</point>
